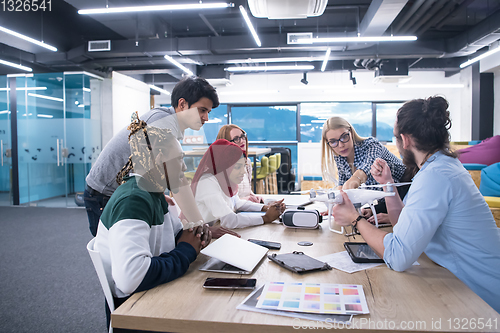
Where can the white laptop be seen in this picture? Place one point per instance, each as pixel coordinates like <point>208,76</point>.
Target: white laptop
<point>231,254</point>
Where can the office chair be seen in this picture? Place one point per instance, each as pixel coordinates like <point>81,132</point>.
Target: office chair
<point>101,274</point>
<point>262,173</point>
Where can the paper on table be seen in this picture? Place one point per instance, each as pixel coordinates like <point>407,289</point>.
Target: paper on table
<point>342,261</point>
<point>249,304</point>
<point>325,298</point>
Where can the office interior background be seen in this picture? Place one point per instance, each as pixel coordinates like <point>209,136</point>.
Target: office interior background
<point>72,100</point>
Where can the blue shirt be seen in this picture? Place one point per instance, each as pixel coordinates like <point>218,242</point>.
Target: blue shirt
<point>446,217</point>
<point>365,153</point>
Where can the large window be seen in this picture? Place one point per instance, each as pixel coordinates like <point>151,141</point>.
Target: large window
<point>386,116</point>
<point>267,123</point>
<point>207,134</point>
<point>314,115</point>
<point>276,125</point>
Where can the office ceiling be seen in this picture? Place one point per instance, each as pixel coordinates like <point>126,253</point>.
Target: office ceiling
<point>207,41</point>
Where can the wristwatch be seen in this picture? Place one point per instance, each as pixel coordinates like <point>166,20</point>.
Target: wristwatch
<point>355,222</point>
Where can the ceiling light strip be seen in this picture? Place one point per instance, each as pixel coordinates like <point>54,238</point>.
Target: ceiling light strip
<point>325,61</point>
<point>482,56</point>
<point>29,39</point>
<point>436,85</point>
<point>20,75</point>
<point>269,68</point>
<point>154,8</point>
<point>11,64</point>
<point>358,39</point>
<point>277,59</point>
<point>46,97</point>
<point>179,65</point>
<point>250,26</point>
<point>158,89</point>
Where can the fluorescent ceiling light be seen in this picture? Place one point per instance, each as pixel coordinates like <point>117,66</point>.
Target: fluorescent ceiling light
<point>154,8</point>
<point>25,88</point>
<point>262,60</point>
<point>45,115</point>
<point>250,25</point>
<point>179,65</point>
<point>81,105</point>
<point>325,61</point>
<point>29,39</point>
<point>482,56</point>
<point>248,92</point>
<point>269,68</point>
<point>358,39</point>
<point>11,64</point>
<point>320,87</point>
<point>46,97</point>
<point>163,91</point>
<point>219,82</point>
<point>86,89</point>
<point>5,111</point>
<point>20,75</point>
<point>355,90</point>
<point>436,85</point>
<point>26,115</point>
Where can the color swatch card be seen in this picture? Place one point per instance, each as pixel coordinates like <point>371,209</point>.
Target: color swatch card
<point>313,297</point>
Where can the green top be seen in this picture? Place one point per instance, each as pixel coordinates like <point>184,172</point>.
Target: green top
<point>129,201</point>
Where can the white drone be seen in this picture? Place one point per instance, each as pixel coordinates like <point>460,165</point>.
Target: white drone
<point>359,197</point>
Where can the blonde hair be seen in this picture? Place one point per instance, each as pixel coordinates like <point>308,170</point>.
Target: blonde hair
<point>224,133</point>
<point>328,166</point>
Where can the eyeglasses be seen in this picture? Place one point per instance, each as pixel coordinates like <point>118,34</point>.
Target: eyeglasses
<point>344,138</point>
<point>238,139</point>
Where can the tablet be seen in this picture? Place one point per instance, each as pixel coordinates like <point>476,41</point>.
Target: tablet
<point>362,253</point>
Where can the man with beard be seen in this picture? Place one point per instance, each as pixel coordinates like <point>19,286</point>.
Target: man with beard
<point>443,215</point>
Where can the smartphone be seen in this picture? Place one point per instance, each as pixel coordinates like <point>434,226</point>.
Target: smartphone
<point>362,253</point>
<point>269,245</point>
<point>229,283</point>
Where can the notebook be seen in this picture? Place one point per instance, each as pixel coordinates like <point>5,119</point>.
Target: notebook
<point>237,252</point>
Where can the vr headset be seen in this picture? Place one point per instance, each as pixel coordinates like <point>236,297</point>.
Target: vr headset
<point>305,219</point>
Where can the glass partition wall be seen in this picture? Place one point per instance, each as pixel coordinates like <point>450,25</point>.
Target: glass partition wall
<point>5,146</point>
<point>58,136</point>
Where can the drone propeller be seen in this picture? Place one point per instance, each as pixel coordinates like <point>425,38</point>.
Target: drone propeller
<point>382,185</point>
<point>318,191</point>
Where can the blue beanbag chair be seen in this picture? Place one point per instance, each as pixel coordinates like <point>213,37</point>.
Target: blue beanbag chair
<point>474,166</point>
<point>490,181</point>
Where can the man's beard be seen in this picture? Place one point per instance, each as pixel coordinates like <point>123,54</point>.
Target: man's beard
<point>408,158</point>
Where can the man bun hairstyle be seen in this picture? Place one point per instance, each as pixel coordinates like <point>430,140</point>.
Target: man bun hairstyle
<point>192,89</point>
<point>427,121</point>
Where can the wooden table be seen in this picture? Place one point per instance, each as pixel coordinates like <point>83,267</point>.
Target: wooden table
<point>252,152</point>
<point>417,299</point>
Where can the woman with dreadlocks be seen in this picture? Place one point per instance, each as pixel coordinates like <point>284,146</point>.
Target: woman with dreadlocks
<point>141,244</point>
<point>215,187</point>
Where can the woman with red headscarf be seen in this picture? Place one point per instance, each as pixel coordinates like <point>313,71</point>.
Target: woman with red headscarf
<point>215,187</point>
